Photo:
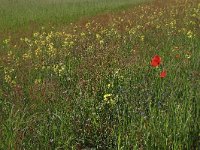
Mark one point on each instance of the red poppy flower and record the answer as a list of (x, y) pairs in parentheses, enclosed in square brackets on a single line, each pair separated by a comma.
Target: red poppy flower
[(155, 61), (163, 74)]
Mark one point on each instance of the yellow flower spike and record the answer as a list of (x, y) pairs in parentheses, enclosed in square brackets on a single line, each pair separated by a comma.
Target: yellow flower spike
[(38, 52), (6, 41), (101, 42), (87, 25), (106, 97), (36, 34), (37, 81), (109, 85), (98, 36), (142, 38), (8, 78), (26, 56), (71, 43), (82, 34), (190, 34)]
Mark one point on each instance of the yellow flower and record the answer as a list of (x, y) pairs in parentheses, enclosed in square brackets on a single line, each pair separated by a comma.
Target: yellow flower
[(190, 34), (109, 85), (107, 97), (6, 41), (101, 42), (35, 34), (98, 36), (142, 38), (37, 81), (82, 34), (87, 25), (7, 76)]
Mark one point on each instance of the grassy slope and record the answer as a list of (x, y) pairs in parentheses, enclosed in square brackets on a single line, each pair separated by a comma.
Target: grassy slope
[(18, 13)]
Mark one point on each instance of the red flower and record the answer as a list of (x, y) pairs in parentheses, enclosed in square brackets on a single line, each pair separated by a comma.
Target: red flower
[(155, 61), (163, 74)]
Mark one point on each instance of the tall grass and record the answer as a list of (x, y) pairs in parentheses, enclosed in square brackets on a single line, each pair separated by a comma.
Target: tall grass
[(94, 86)]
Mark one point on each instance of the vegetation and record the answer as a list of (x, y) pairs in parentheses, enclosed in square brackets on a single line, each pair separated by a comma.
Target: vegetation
[(129, 80), (21, 14)]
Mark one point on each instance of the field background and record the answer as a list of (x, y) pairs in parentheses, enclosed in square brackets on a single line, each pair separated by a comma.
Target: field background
[(15, 14)]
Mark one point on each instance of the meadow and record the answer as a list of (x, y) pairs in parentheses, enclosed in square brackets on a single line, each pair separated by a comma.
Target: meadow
[(20, 14), (125, 80)]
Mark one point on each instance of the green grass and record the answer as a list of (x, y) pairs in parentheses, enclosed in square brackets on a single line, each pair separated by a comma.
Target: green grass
[(93, 86), (15, 14)]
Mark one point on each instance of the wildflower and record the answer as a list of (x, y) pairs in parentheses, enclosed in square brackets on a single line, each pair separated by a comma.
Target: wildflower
[(36, 34), (87, 25), (82, 34), (101, 42), (6, 41), (109, 85), (155, 61), (190, 34), (98, 36), (142, 38), (107, 97), (37, 81), (163, 74), (188, 56)]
